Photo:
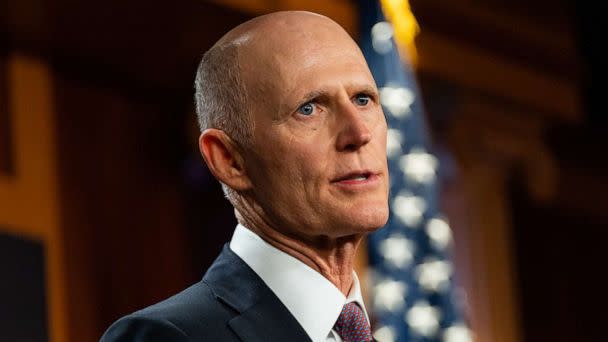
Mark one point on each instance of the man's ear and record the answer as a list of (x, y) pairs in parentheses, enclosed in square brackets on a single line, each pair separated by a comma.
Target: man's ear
[(224, 159)]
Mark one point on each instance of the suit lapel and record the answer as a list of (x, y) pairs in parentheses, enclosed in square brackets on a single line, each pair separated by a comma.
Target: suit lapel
[(261, 316), (264, 321)]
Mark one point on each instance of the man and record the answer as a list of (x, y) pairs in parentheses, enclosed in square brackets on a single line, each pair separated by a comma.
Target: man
[(293, 129)]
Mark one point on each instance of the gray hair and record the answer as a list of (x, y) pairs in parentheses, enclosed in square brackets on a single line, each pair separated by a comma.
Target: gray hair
[(221, 97)]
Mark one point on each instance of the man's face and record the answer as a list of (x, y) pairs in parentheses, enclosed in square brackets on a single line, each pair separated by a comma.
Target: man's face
[(318, 161)]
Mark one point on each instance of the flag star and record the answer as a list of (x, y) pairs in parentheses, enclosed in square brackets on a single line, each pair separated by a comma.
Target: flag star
[(382, 34), (439, 232), (434, 275), (397, 100), (419, 166), (409, 208), (389, 295), (397, 250), (423, 319), (385, 334), (457, 333), (394, 139)]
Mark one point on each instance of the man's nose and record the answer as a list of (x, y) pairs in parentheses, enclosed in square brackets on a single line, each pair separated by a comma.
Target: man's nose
[(354, 131)]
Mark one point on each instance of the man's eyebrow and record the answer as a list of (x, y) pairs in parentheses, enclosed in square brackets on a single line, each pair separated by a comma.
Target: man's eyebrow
[(320, 93), (313, 95), (367, 89)]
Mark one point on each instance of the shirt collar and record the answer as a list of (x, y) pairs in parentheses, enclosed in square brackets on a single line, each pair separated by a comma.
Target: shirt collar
[(312, 299)]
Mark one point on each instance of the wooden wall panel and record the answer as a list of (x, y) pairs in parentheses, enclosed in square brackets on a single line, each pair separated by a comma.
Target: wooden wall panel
[(29, 197), (6, 149), (120, 206)]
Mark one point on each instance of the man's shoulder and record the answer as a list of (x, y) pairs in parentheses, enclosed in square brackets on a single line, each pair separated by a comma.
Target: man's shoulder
[(192, 314)]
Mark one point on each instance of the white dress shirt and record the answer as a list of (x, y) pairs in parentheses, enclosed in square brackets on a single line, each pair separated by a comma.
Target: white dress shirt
[(312, 299)]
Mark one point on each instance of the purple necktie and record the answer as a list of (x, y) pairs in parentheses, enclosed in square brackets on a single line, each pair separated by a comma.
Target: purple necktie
[(352, 326)]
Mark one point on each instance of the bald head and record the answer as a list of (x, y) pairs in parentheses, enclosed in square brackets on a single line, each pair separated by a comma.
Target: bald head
[(247, 60), (277, 29)]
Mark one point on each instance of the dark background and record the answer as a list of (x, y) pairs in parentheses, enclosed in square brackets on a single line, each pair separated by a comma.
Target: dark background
[(23, 309), (143, 217)]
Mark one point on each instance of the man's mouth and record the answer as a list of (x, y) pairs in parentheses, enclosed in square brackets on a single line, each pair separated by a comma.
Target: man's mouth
[(355, 177)]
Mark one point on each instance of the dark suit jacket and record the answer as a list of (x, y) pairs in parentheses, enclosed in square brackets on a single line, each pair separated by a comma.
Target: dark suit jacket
[(231, 303)]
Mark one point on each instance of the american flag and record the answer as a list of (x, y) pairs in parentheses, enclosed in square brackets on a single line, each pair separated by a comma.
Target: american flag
[(412, 283)]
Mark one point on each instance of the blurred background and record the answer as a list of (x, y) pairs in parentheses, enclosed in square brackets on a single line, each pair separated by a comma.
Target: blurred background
[(106, 206)]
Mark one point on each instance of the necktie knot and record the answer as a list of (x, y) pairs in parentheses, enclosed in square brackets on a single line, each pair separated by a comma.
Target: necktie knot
[(352, 326)]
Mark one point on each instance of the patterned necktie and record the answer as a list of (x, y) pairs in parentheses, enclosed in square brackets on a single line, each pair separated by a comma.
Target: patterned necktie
[(352, 326)]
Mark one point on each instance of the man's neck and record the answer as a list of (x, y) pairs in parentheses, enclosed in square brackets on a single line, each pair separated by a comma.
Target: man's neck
[(332, 258)]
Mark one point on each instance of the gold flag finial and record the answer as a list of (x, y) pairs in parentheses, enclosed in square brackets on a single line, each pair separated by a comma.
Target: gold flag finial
[(405, 26)]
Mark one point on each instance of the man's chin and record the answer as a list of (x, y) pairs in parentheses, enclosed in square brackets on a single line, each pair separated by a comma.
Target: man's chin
[(366, 221)]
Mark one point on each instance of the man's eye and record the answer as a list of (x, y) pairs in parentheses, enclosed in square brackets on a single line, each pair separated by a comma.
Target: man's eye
[(307, 108), (362, 100)]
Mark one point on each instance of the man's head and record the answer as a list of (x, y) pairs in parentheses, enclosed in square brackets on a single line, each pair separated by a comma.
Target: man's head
[(292, 123)]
